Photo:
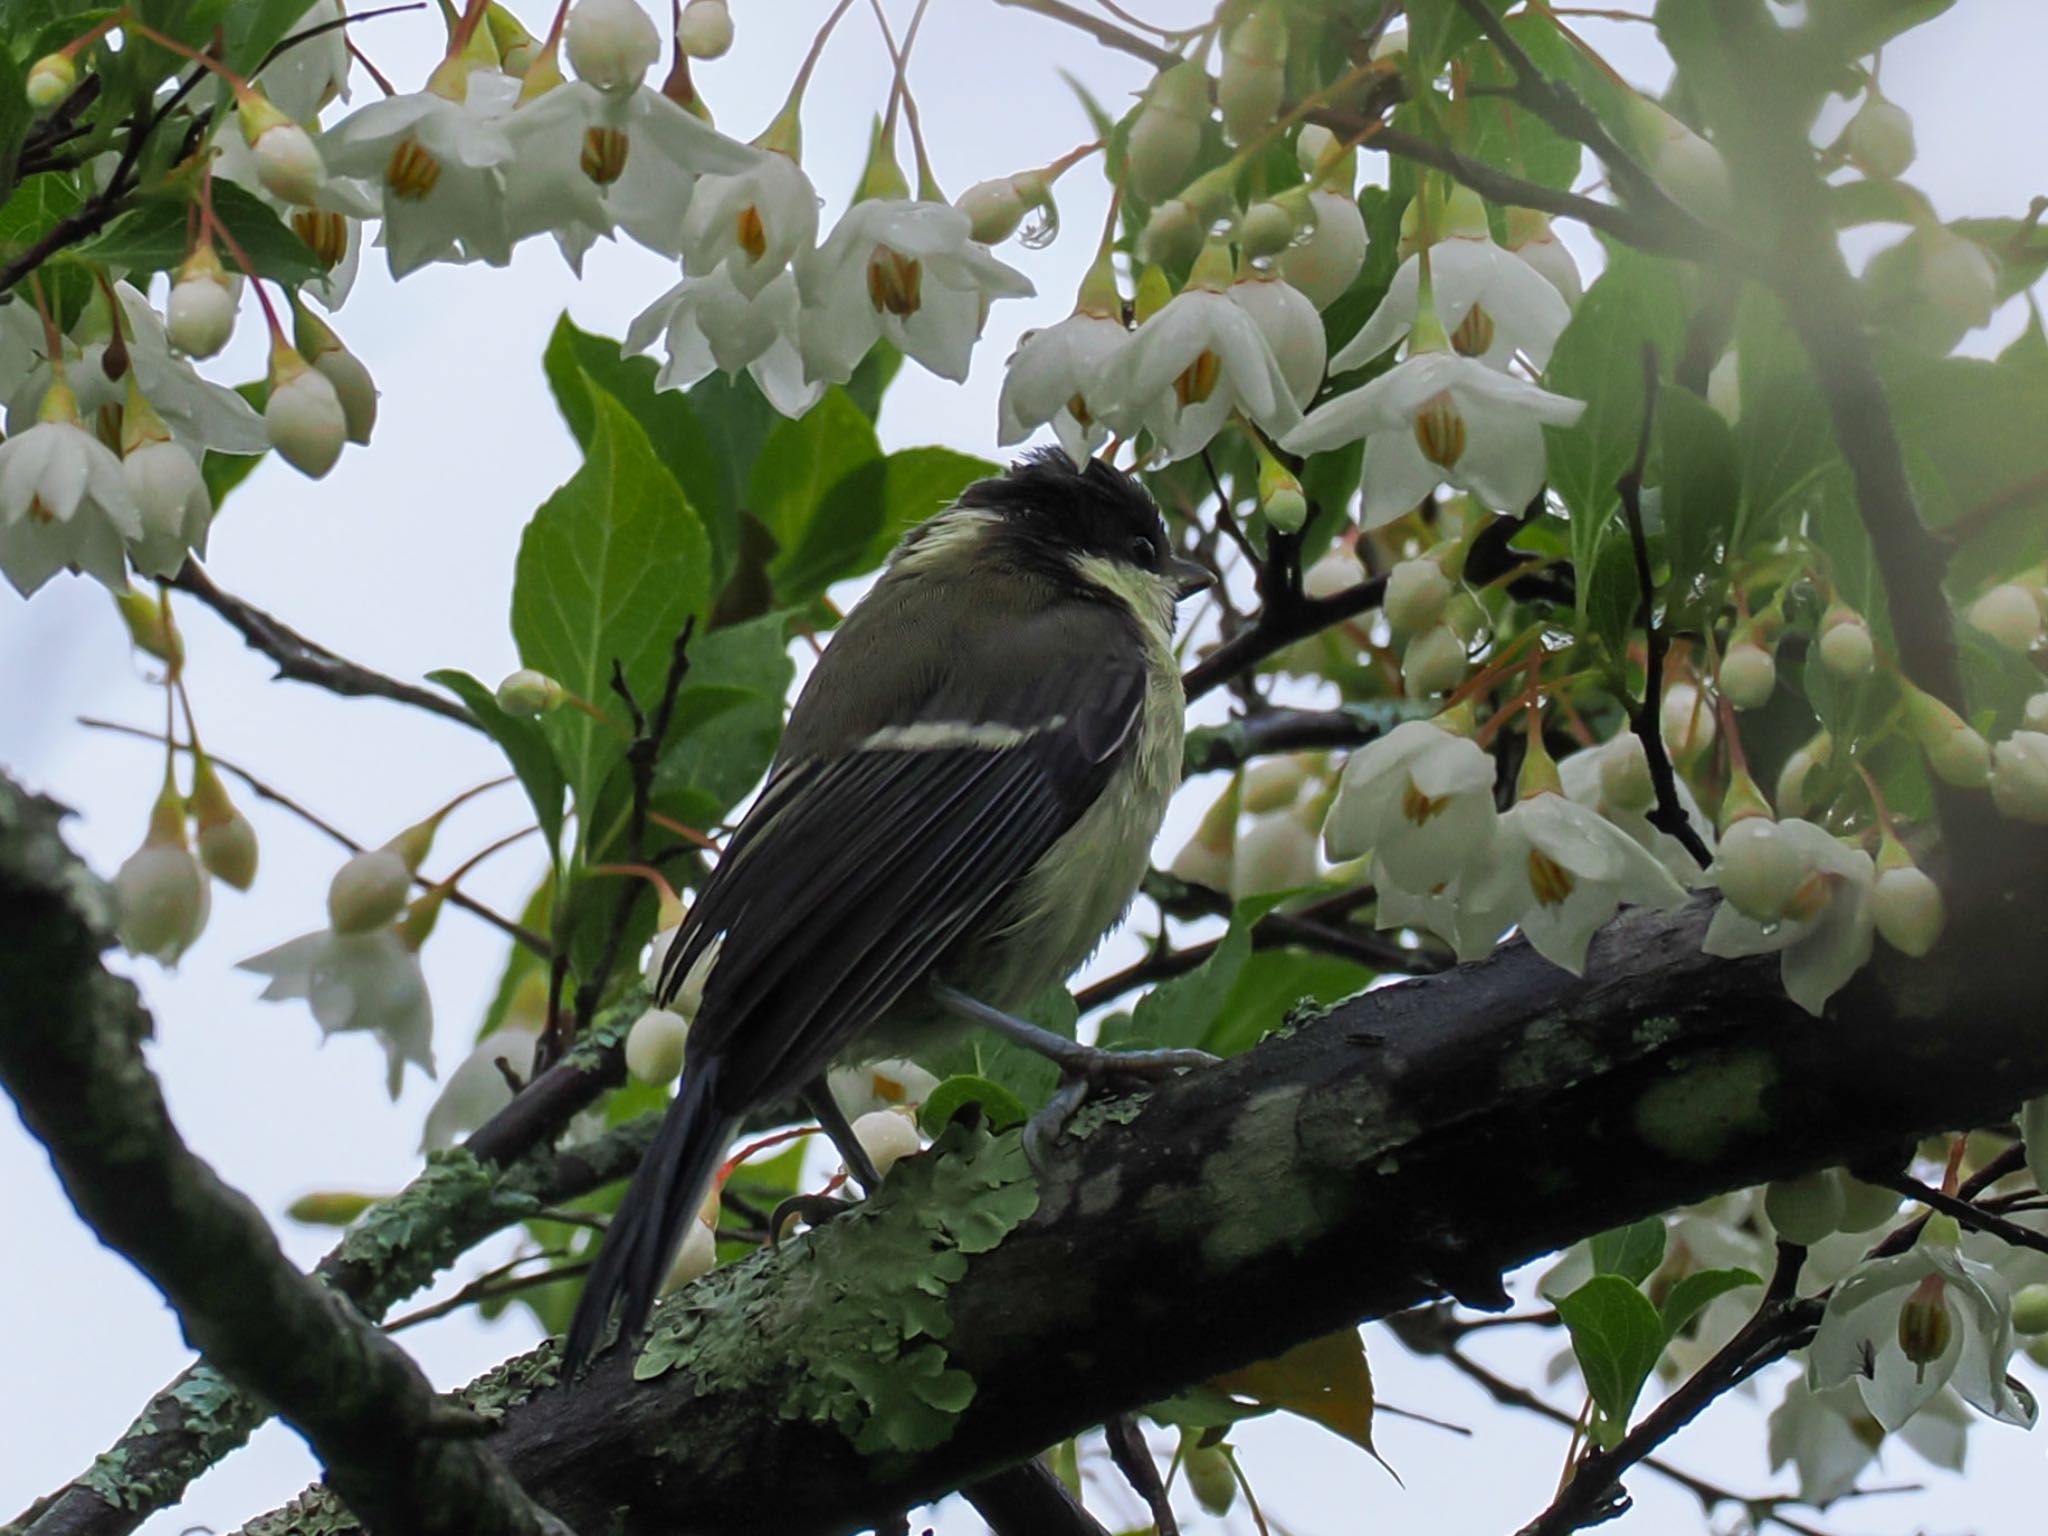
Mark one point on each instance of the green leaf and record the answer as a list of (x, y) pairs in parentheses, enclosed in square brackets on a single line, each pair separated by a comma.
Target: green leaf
[(576, 362), (999, 1107), (1325, 1379), (222, 472), (1632, 1252), (791, 491), (151, 237), (1611, 592), (525, 746), (254, 27), (1972, 430), (1272, 984), (1618, 1337), (610, 568), (1700, 489), (727, 723), (273, 249), (1017, 1069), (1786, 440), (1692, 1294), (1183, 1012)]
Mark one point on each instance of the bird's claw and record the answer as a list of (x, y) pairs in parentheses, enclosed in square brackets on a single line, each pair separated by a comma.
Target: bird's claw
[(1083, 1068)]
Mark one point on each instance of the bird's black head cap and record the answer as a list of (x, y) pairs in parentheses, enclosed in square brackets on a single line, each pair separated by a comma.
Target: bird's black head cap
[(1060, 510)]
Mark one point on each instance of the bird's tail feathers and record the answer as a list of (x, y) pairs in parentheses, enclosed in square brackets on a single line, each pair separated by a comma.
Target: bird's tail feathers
[(642, 1240)]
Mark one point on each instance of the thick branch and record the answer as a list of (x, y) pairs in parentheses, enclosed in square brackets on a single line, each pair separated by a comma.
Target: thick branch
[(1347, 1168), (307, 661), (70, 1055), (1211, 749)]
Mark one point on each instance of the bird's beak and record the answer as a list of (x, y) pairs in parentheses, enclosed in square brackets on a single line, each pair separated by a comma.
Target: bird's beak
[(1187, 577)]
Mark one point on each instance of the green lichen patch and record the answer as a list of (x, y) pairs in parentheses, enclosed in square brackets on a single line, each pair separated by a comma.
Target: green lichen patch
[(316, 1512), (856, 1312), (510, 1384), (1694, 1114)]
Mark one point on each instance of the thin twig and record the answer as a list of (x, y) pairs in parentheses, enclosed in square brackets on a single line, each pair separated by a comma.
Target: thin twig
[(1667, 815), (1965, 1212), (1271, 731), (489, 1287), (307, 661), (1284, 619), (1133, 1458), (519, 933)]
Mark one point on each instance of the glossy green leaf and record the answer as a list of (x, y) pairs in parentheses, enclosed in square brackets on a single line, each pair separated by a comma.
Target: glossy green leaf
[(1183, 1011), (524, 744), (609, 569), (272, 247), (999, 1107), (1691, 1295), (1632, 1252), (727, 723), (1270, 985), (1700, 490), (1786, 441), (792, 491), (1618, 1337)]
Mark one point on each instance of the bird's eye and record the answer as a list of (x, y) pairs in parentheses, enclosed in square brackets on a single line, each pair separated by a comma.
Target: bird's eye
[(1144, 552)]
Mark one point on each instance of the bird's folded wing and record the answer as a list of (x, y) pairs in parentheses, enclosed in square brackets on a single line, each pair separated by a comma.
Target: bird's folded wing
[(854, 873)]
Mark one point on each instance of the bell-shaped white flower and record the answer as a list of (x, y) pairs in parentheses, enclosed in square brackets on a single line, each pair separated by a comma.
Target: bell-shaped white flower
[(313, 71), (1190, 365), (887, 1136), (1561, 871), (1439, 417), (1825, 936), (708, 323), (438, 158), (368, 982), (1968, 1346), (477, 1089), (169, 491), (1830, 1437), (1324, 265), (1050, 376), (2019, 768), (1291, 326), (200, 312), (586, 161), (1613, 779), (879, 1085), (753, 223), (161, 893), (304, 414), (905, 272), (1420, 799), (1492, 303), (63, 501), (1534, 242), (612, 43)]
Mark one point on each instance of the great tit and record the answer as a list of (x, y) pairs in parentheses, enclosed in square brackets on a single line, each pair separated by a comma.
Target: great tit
[(963, 803)]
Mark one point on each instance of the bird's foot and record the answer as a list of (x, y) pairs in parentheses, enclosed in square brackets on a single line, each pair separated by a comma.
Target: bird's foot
[(1083, 1070)]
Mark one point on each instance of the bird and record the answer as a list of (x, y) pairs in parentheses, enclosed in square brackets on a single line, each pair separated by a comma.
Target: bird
[(963, 803)]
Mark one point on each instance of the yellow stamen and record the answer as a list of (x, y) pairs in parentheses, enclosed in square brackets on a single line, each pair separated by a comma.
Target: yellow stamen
[(1197, 381), (1440, 430), (1420, 808), (1474, 335), (894, 282), (604, 155), (412, 171), (1551, 881), (752, 234), (325, 234)]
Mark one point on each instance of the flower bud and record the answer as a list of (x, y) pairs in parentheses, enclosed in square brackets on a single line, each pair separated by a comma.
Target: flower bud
[(1625, 782), (1167, 132), (2019, 776), (654, 1046), (1957, 753), (1907, 907), (1807, 1208), (1686, 165), (1209, 1476), (1758, 868), (353, 387), (1324, 265), (1312, 146), (1724, 388), (1748, 674), (1798, 770), (1879, 138), (50, 80), (288, 163), (2035, 715), (1866, 1207), (1846, 648), (150, 628), (1957, 278), (1433, 662), (1417, 593), (527, 692), (1173, 236), (697, 1256), (227, 842), (1275, 853), (330, 1207), (2009, 614), (1925, 1327), (368, 891), (887, 1136), (1266, 229), (200, 315), (612, 43), (1687, 721), (705, 31), (1275, 783), (1254, 75), (517, 47), (2030, 1309), (304, 415), (994, 209), (161, 894)]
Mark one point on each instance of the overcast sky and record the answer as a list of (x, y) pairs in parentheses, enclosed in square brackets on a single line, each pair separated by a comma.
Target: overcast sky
[(402, 558)]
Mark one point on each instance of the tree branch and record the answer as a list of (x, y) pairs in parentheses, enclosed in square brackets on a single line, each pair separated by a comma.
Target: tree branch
[(1212, 749), (1285, 617), (1350, 1166), (70, 1055), (307, 661)]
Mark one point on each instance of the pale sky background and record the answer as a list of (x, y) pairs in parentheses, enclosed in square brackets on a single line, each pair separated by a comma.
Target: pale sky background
[(402, 558)]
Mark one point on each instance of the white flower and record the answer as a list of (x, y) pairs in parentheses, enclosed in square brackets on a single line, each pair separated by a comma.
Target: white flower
[(1826, 936), (1438, 417), (1275, 853), (905, 272), (303, 414), (586, 160), (353, 387), (357, 981), (1879, 138), (754, 223), (1417, 593), (612, 43), (887, 1136), (705, 31), (1908, 909), (1532, 240), (63, 501), (1830, 1438), (162, 897), (440, 168), (1859, 1336), (312, 72), (1187, 368), (477, 1089), (708, 322), (1614, 780), (1292, 328), (2019, 769), (1049, 379), (2009, 614), (878, 1085), (1420, 798), (1324, 265), (170, 496), (368, 891), (288, 163), (1561, 871), (329, 221), (1433, 661), (1509, 305)]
